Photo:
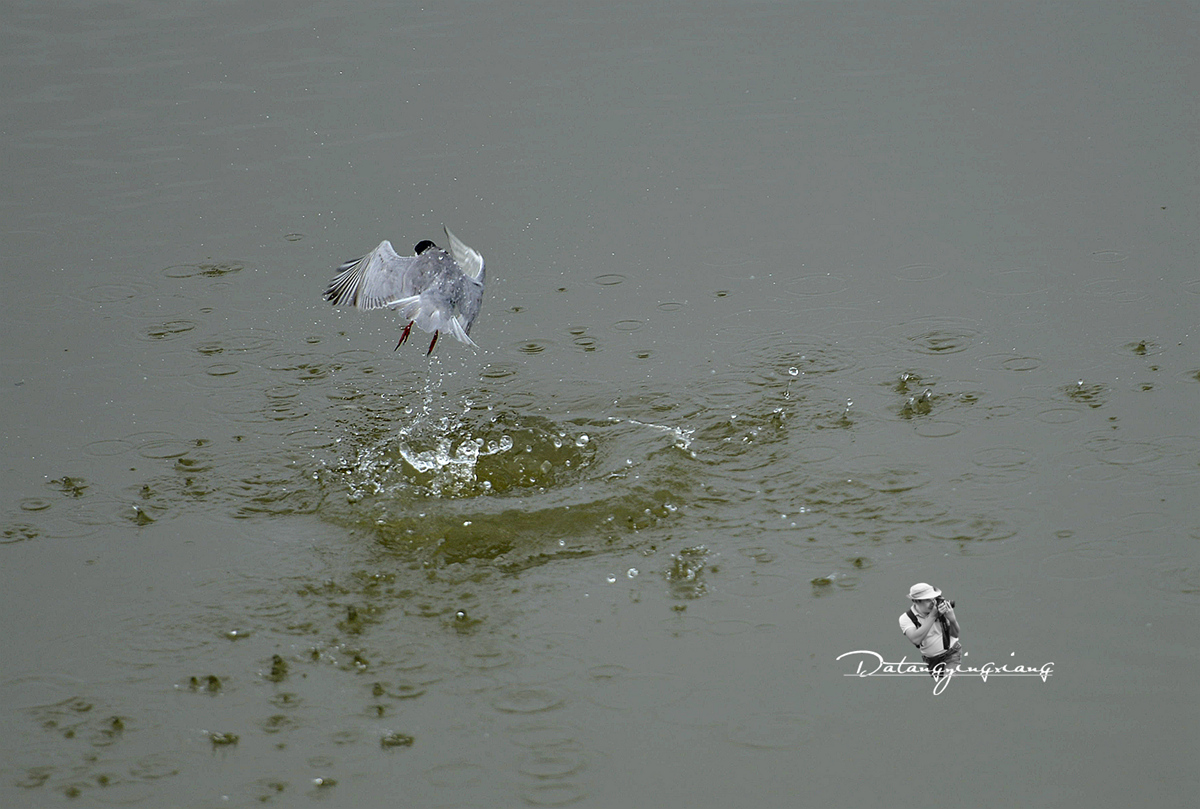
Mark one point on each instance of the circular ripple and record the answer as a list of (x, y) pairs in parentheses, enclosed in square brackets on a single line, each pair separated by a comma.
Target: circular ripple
[(1011, 407), (897, 480), (168, 330), (139, 438), (609, 279), (489, 659), (1059, 415), (1001, 458), (938, 336), (1022, 363), (815, 453), (973, 529), (532, 346), (1093, 395), (107, 447), (1082, 466), (154, 767), (1140, 348), (943, 341), (220, 375), (112, 293), (301, 364), (240, 340), (937, 429), (1117, 290), (919, 272), (34, 504), (550, 763), (1124, 453), (810, 286), (356, 356), (79, 522), (1186, 448), (526, 700), (816, 358), (309, 438), (499, 371), (913, 512), (519, 401), (1180, 584), (672, 306), (163, 449), (207, 270), (558, 793), (543, 737), (839, 493), (623, 690), (627, 325), (1109, 256)]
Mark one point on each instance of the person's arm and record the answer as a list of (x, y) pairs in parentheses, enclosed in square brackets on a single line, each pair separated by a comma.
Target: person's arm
[(918, 633), (951, 619)]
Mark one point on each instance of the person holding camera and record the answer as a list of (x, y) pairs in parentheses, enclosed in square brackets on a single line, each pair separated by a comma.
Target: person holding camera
[(931, 625)]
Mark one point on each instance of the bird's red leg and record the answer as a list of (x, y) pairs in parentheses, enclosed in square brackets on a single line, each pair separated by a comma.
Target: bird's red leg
[(404, 335), (430, 351)]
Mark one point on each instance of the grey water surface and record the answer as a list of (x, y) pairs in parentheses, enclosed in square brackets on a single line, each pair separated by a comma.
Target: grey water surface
[(249, 554)]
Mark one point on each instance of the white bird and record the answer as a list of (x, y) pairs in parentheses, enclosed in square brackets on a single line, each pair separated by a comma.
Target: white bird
[(436, 289)]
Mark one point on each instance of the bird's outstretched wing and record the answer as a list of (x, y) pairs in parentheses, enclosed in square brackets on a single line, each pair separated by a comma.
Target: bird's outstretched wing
[(468, 260), (375, 280)]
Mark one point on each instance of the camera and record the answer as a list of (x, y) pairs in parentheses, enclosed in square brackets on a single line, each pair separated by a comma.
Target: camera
[(938, 600)]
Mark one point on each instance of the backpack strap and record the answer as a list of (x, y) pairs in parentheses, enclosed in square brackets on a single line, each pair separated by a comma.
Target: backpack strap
[(912, 616)]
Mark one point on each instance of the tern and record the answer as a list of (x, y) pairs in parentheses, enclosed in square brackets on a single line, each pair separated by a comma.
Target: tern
[(439, 290)]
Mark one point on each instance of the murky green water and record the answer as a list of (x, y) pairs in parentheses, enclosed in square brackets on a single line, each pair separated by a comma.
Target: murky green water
[(789, 307)]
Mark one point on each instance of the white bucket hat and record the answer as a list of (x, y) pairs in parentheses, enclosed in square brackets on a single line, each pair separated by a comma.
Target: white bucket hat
[(921, 591)]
